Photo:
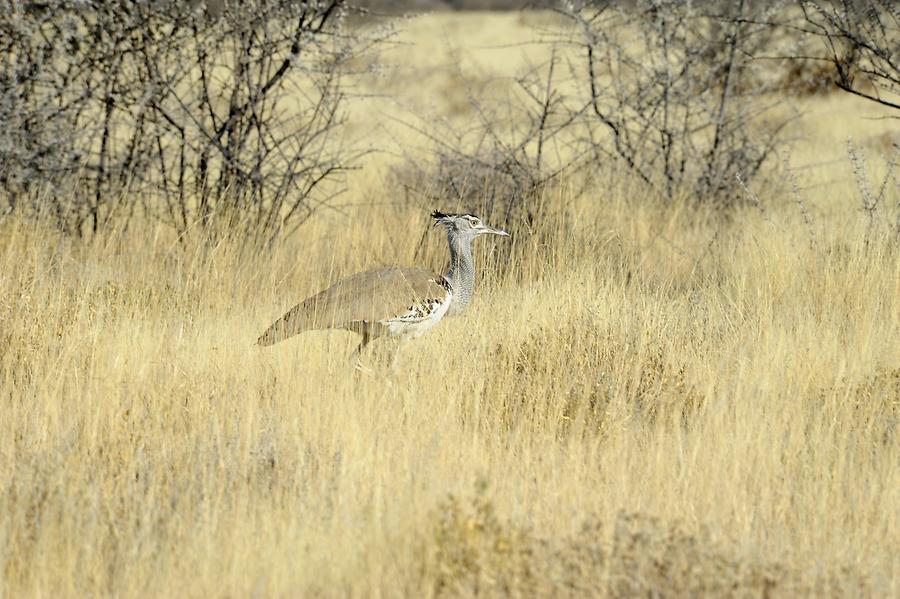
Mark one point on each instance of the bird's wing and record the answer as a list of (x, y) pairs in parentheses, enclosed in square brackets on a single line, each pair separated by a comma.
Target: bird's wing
[(370, 297)]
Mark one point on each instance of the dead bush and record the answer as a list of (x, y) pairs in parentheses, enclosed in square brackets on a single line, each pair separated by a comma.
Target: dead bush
[(860, 41), (673, 96), (476, 552), (502, 166), (220, 120)]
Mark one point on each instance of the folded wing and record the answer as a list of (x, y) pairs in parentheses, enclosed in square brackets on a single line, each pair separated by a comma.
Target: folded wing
[(364, 298)]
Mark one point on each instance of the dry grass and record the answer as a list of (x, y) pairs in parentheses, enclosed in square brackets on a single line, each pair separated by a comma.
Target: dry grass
[(642, 400)]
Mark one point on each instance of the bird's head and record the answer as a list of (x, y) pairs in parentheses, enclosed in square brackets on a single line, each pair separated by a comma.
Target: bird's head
[(467, 225)]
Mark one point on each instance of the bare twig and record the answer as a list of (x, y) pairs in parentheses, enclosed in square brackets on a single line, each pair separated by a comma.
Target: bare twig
[(223, 118)]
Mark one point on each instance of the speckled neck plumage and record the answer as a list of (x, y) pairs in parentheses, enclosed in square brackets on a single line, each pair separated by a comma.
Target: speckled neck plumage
[(461, 275)]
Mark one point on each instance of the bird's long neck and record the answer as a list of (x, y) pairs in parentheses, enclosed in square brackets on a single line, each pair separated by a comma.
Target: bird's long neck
[(461, 275)]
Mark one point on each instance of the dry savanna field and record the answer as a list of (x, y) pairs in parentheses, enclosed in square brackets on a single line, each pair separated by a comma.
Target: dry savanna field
[(644, 399)]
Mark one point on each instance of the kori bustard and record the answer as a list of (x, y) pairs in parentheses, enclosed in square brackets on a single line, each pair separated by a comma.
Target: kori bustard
[(394, 301)]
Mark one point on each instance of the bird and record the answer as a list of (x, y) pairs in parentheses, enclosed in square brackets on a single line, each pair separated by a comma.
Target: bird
[(393, 301)]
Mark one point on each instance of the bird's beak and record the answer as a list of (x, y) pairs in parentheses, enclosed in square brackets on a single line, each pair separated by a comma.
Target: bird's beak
[(490, 230)]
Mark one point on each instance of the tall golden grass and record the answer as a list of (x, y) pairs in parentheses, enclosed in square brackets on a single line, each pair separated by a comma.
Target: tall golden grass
[(642, 399)]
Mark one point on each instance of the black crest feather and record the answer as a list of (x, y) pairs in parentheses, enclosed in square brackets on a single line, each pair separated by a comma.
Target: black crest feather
[(437, 214)]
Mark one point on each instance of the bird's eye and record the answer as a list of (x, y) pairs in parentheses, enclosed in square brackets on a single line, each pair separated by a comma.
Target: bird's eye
[(475, 222)]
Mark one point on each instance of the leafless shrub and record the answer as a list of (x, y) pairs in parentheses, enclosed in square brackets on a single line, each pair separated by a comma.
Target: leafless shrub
[(39, 109), (504, 162), (673, 94), (849, 45), (797, 197), (221, 118), (476, 551), (666, 89), (873, 203), (860, 39)]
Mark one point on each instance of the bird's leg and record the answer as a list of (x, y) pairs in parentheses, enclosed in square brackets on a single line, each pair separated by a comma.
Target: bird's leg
[(360, 367), (355, 360), (392, 365)]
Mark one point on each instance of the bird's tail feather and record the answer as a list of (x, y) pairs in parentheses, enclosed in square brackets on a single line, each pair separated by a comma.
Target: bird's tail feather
[(286, 326)]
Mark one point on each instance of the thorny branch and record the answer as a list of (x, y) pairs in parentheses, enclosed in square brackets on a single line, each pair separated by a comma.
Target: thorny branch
[(223, 118)]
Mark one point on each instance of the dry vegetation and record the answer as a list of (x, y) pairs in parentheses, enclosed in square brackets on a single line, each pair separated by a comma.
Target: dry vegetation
[(643, 399)]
